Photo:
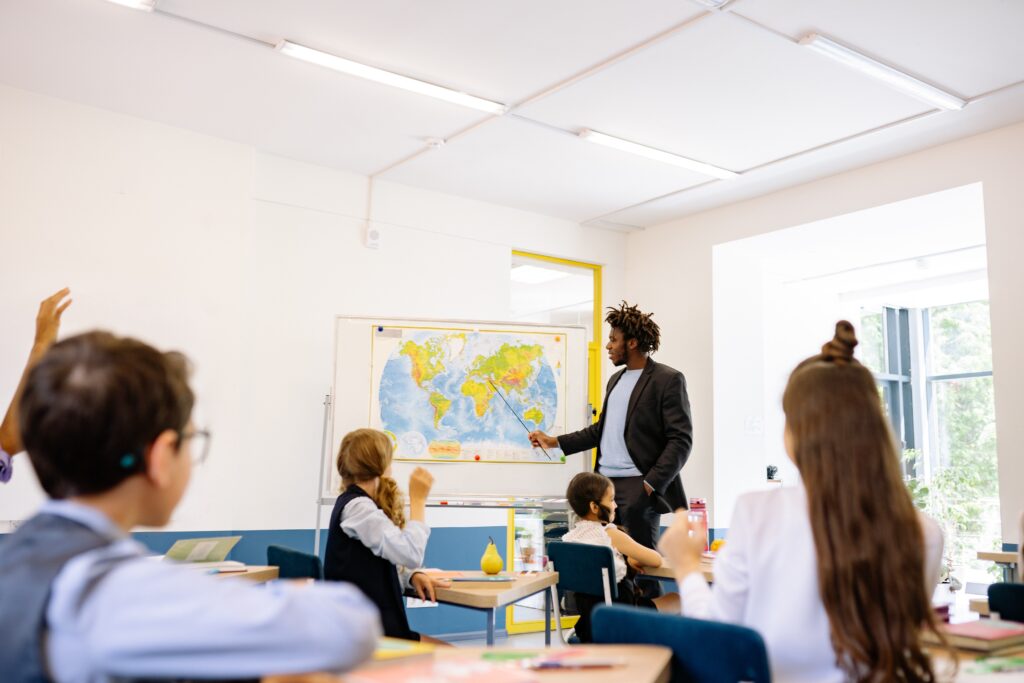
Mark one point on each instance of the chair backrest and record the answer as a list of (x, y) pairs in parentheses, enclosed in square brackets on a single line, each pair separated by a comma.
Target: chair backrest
[(579, 567), (704, 651), (294, 564), (1008, 600)]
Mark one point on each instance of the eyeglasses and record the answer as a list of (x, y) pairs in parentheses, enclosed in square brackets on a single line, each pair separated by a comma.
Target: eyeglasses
[(200, 444)]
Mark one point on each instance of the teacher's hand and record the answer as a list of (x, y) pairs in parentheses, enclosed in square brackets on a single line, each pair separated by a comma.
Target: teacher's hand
[(648, 489), (540, 439)]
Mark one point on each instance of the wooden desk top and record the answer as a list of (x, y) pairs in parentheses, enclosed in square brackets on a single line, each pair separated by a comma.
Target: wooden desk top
[(640, 664), (942, 663), (999, 556), (486, 597), (979, 606), (253, 573), (665, 571)]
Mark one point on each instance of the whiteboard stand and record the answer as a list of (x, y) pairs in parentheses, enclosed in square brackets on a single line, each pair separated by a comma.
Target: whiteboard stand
[(320, 481)]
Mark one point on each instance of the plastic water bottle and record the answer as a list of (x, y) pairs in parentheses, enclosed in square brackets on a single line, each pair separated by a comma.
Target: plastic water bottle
[(699, 513)]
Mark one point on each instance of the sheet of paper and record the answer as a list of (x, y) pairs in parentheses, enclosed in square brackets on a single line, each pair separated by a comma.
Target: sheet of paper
[(202, 549)]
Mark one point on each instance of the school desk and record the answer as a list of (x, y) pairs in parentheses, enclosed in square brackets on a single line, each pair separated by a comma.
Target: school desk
[(1006, 560), (666, 573), (979, 606), (257, 573), (490, 599), (633, 663), (967, 671)]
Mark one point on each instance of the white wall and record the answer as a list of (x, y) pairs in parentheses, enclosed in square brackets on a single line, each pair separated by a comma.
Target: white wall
[(669, 271), (241, 260)]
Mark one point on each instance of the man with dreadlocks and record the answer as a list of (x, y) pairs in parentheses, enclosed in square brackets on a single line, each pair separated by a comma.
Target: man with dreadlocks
[(644, 434)]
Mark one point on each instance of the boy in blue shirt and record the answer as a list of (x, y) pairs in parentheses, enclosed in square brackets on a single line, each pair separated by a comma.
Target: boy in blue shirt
[(106, 422)]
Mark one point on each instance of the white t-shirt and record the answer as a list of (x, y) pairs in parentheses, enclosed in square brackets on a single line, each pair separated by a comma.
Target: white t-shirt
[(766, 578), (596, 533)]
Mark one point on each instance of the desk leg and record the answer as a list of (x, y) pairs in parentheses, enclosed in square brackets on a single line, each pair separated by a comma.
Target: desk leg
[(547, 618), (553, 591), (490, 626)]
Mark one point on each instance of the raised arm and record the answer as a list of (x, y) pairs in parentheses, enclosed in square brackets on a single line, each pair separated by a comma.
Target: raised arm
[(47, 326)]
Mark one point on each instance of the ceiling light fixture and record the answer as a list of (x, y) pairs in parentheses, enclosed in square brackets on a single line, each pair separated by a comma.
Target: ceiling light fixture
[(656, 154), (713, 4), (883, 72), (144, 5), (347, 66)]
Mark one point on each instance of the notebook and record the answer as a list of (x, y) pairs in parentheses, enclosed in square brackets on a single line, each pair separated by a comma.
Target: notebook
[(202, 549), (983, 635)]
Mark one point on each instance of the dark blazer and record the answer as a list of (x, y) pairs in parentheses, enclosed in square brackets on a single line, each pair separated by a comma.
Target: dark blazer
[(659, 432)]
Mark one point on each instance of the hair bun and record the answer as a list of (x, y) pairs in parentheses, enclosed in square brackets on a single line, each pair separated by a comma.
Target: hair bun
[(840, 348)]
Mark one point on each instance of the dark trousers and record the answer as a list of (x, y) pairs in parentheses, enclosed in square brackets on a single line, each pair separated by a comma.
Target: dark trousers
[(635, 512)]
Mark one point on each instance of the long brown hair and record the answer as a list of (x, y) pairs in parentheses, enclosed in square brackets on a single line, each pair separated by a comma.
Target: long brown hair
[(366, 454), (867, 535)]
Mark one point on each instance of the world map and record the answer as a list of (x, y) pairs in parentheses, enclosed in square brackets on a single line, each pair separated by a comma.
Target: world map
[(460, 395)]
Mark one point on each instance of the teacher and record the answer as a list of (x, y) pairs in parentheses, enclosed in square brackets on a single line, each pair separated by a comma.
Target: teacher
[(644, 435)]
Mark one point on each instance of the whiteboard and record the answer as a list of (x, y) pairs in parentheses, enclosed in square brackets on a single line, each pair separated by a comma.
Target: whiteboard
[(367, 351)]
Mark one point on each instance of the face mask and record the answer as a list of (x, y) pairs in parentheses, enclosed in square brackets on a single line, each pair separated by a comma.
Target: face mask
[(604, 514)]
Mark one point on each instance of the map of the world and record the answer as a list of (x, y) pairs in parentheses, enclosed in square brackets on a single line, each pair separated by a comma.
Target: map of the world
[(465, 395)]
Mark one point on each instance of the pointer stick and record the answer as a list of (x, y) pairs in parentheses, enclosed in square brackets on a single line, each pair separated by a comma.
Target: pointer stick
[(509, 406)]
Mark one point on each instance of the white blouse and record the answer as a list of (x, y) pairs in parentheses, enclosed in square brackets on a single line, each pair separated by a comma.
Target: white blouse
[(596, 533), (766, 578)]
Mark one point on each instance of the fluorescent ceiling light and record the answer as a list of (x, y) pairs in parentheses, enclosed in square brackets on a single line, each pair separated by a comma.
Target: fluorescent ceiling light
[(351, 68), (533, 275), (883, 72), (144, 5), (656, 154), (713, 4)]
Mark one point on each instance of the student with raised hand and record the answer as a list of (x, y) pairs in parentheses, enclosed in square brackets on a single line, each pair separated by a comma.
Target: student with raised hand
[(107, 424), (837, 573), (370, 543), (47, 326), (592, 497)]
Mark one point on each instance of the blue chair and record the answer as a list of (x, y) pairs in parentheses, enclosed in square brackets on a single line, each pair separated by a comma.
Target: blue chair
[(702, 651), (294, 564), (1008, 600), (589, 572)]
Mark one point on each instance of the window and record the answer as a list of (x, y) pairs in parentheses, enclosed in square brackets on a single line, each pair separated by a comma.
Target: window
[(934, 371)]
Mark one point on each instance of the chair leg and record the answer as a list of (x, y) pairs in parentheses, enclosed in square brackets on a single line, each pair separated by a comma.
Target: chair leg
[(607, 586)]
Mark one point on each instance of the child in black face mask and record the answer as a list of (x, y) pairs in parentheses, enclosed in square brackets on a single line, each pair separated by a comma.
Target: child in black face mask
[(592, 497)]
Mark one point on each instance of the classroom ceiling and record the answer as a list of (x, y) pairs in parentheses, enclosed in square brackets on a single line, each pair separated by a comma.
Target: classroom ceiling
[(729, 87)]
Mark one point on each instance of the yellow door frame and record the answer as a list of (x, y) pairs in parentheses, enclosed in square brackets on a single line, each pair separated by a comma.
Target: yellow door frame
[(594, 391)]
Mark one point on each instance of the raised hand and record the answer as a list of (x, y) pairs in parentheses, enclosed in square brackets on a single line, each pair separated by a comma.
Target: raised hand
[(48, 318), (420, 483), (682, 544)]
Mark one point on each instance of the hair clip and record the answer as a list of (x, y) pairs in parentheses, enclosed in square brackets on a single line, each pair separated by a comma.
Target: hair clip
[(128, 461)]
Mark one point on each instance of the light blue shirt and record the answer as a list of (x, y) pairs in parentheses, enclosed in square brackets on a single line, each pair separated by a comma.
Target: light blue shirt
[(149, 617), (615, 460), (363, 521)]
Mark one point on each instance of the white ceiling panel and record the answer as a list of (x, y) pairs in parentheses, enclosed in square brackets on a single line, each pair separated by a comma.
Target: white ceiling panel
[(504, 51), (724, 92), (524, 165), (993, 112), (731, 88), (967, 46), (162, 69)]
